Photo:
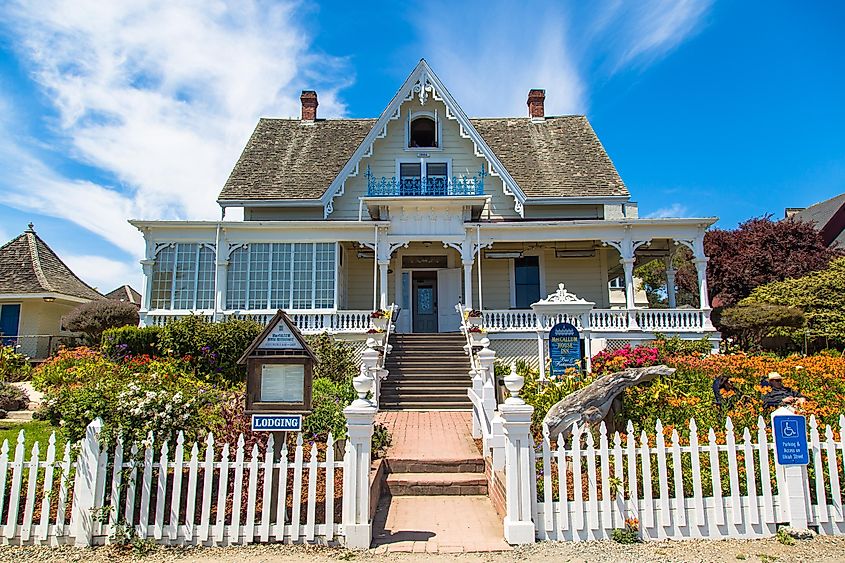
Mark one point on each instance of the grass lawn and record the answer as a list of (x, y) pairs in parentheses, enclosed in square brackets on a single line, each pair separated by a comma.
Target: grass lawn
[(36, 430)]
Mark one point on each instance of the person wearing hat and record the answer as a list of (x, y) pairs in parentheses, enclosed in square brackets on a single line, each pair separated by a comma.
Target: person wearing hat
[(779, 394)]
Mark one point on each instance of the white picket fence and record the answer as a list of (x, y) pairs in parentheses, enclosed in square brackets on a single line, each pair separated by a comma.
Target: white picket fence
[(674, 491), (173, 496)]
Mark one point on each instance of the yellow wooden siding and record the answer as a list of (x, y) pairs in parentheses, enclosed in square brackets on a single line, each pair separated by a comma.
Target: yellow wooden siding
[(358, 278), (582, 276), (387, 150)]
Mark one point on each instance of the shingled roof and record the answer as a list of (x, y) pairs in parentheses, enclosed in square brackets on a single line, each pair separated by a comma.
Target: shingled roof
[(28, 265), (290, 159), (125, 293)]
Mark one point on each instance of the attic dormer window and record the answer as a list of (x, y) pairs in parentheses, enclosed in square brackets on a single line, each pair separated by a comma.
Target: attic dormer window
[(423, 132)]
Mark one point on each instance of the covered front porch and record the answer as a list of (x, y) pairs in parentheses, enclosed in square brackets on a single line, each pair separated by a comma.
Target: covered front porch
[(331, 276)]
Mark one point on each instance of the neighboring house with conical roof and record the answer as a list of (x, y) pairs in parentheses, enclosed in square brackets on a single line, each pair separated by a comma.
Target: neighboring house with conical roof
[(126, 294), (36, 290)]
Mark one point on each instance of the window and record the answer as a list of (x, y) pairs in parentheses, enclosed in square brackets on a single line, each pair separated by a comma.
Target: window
[(282, 276), (183, 277), (526, 281), (423, 133), (617, 283), (423, 178)]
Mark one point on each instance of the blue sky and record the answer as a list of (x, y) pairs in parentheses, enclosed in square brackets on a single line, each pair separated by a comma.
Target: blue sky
[(139, 109)]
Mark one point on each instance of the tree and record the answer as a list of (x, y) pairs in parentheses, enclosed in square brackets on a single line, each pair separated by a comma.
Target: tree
[(94, 317), (821, 295), (757, 252)]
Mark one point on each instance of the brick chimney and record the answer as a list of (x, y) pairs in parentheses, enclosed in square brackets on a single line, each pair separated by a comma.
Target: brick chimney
[(536, 99), (309, 105)]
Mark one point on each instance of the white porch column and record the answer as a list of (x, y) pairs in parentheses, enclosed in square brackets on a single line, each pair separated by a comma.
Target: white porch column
[(701, 270), (467, 259), (468, 284), (628, 267), (146, 299), (382, 283), (221, 277), (670, 283)]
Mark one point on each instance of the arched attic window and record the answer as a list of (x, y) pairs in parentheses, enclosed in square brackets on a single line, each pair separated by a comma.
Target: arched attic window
[(423, 132)]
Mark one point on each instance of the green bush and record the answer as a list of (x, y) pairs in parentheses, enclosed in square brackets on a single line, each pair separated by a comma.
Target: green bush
[(328, 399), (336, 359), (675, 346), (750, 322), (213, 349), (14, 366), (131, 341), (12, 398)]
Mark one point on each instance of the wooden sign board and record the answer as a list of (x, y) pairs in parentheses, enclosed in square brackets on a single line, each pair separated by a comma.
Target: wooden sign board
[(280, 368)]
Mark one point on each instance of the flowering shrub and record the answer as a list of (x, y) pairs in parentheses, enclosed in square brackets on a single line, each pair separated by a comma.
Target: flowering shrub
[(14, 366), (133, 397), (380, 314), (475, 329), (474, 313), (608, 361)]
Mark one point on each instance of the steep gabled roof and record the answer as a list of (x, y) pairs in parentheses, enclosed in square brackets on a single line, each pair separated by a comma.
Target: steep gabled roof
[(290, 159), (557, 157), (28, 265), (287, 159), (125, 293)]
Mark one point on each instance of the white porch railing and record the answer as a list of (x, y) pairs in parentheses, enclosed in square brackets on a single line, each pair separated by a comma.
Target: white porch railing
[(309, 322), (608, 320)]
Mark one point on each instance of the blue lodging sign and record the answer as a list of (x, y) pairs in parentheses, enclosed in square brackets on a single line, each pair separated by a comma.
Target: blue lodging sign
[(564, 348), (791, 439), (277, 423)]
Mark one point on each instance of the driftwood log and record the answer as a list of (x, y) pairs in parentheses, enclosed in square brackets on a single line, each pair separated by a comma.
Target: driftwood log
[(592, 404)]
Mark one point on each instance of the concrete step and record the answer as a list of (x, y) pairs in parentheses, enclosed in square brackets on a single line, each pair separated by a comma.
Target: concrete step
[(467, 465), (422, 396), (408, 484)]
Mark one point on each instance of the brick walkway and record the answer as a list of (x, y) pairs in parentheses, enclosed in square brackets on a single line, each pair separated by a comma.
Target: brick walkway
[(434, 523), (426, 435)]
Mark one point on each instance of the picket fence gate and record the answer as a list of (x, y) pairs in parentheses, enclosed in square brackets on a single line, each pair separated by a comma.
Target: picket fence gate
[(186, 498), (585, 492)]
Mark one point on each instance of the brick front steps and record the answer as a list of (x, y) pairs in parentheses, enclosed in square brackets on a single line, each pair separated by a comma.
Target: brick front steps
[(418, 484)]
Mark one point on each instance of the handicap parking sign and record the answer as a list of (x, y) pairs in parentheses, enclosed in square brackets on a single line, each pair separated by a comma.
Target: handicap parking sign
[(791, 439)]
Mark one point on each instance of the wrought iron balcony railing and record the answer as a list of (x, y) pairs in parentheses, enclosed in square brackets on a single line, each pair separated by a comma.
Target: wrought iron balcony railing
[(429, 186)]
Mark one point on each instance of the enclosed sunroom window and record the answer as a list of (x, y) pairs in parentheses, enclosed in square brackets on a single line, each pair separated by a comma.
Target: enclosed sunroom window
[(423, 132), (265, 276), (183, 277)]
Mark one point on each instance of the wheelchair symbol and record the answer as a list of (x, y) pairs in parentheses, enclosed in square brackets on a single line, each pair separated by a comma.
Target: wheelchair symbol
[(789, 429)]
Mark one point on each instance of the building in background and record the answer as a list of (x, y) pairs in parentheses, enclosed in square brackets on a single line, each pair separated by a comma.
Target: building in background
[(36, 290), (126, 294), (828, 216)]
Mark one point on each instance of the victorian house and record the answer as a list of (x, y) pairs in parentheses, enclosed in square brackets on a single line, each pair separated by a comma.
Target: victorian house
[(424, 208)]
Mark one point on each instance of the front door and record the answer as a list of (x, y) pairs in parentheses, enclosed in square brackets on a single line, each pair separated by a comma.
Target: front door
[(449, 291), (9, 319), (425, 301)]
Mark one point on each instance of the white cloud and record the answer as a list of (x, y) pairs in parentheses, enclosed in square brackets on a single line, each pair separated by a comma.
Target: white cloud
[(104, 274), (159, 95), (673, 210), (490, 55)]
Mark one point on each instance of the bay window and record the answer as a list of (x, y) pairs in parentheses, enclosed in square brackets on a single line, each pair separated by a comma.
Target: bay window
[(275, 275)]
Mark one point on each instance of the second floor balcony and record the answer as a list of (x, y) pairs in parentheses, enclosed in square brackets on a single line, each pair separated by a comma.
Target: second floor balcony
[(425, 186)]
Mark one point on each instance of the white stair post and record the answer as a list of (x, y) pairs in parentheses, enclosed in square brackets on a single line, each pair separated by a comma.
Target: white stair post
[(369, 362), (520, 487), (84, 486), (360, 416)]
